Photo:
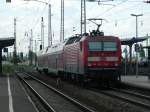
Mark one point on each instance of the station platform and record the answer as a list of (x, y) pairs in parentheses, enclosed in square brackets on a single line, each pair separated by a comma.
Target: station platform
[(141, 81), (13, 97)]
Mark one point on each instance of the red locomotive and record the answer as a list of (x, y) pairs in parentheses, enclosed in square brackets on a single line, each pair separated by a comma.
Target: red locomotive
[(91, 56)]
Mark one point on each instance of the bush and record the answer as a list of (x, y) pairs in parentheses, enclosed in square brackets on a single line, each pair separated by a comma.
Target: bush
[(8, 69)]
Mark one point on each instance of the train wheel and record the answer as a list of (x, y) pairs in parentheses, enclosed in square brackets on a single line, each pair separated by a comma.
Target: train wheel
[(117, 81), (39, 71), (77, 79), (81, 81), (45, 71)]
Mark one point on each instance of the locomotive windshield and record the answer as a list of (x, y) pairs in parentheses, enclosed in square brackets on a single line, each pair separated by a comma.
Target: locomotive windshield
[(95, 46), (103, 46), (109, 46)]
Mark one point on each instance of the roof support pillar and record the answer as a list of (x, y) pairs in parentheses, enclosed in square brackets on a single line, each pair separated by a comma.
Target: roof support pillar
[(0, 61), (130, 57), (148, 53)]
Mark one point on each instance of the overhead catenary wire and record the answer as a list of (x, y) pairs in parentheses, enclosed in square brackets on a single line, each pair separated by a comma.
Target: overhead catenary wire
[(39, 16), (125, 9), (111, 8), (38, 20), (122, 19), (127, 19), (124, 1)]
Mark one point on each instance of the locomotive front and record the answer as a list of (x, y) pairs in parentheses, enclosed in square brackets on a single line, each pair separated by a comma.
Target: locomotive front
[(102, 57)]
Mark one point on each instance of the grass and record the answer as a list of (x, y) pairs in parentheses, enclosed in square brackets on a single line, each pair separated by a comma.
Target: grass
[(8, 69)]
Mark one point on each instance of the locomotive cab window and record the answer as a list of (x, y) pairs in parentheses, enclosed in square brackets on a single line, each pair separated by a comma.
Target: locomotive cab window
[(95, 46), (109, 46), (102, 46)]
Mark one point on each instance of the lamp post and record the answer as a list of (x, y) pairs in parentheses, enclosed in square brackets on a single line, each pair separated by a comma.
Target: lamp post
[(49, 21), (15, 48), (136, 15)]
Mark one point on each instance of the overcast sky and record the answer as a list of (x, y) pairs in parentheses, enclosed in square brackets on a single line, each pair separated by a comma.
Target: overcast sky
[(117, 13)]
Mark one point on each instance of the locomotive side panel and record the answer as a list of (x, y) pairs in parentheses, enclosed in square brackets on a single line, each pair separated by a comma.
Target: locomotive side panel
[(81, 58)]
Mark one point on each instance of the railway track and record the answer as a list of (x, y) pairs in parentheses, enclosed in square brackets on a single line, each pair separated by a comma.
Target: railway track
[(135, 88), (51, 99), (132, 97)]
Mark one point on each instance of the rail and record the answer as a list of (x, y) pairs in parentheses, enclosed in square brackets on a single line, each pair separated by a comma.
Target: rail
[(78, 104)]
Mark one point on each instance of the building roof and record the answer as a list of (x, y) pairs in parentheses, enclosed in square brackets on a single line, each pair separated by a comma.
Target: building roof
[(5, 42), (146, 47), (130, 41)]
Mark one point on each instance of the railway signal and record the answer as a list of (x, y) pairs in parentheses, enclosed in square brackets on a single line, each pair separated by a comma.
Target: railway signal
[(137, 48)]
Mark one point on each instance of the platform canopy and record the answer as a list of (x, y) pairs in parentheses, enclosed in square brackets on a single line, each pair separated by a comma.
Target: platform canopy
[(5, 42), (146, 47), (131, 41), (148, 51)]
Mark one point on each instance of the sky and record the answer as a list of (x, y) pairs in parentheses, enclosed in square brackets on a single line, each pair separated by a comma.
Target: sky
[(117, 14)]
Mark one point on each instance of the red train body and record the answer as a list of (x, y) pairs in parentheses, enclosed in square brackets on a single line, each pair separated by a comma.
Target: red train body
[(92, 56)]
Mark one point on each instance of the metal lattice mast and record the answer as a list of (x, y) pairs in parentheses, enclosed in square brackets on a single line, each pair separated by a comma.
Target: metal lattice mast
[(62, 21), (83, 17), (49, 27), (31, 40), (42, 32), (31, 48)]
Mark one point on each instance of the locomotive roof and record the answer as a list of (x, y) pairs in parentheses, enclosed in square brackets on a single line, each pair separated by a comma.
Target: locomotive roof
[(73, 39)]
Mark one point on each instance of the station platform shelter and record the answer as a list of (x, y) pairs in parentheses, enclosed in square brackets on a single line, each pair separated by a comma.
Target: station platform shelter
[(129, 42), (148, 49), (5, 42)]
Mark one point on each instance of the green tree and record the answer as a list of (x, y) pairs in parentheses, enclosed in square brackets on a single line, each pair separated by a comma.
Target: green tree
[(142, 53)]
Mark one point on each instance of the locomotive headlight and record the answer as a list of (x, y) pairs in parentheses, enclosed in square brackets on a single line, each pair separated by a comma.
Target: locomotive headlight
[(116, 64), (89, 64), (93, 64)]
